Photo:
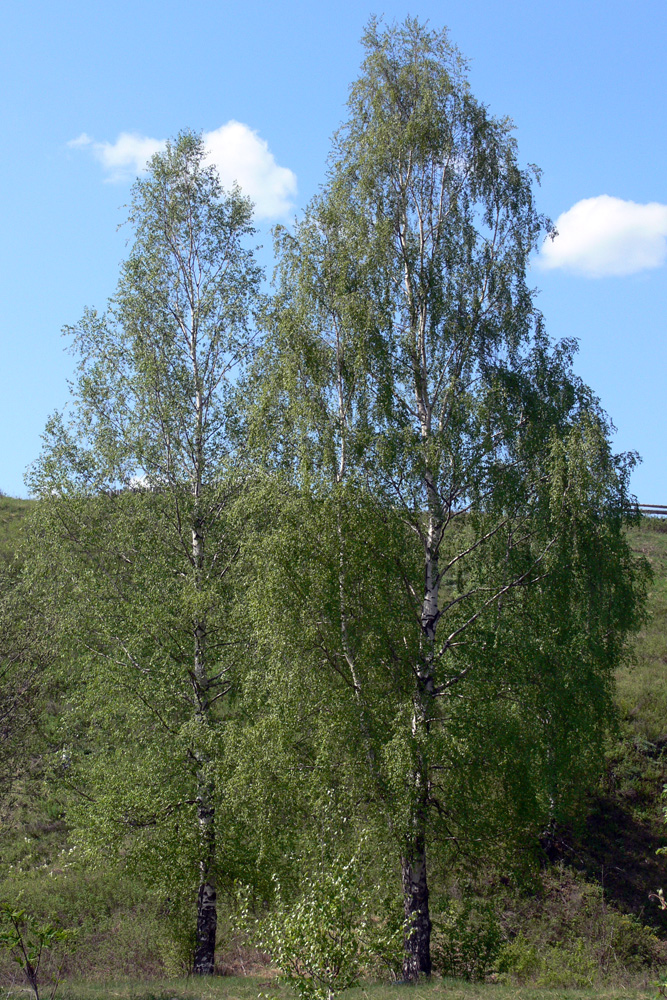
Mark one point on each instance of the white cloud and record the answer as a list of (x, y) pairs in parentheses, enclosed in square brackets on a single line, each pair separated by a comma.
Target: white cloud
[(238, 152), (124, 158), (241, 155), (606, 236)]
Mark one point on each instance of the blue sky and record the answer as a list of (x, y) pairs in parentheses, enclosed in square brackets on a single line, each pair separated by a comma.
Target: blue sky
[(88, 89)]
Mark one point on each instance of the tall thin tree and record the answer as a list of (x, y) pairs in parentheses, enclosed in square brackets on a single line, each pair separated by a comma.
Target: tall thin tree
[(410, 362), (136, 487)]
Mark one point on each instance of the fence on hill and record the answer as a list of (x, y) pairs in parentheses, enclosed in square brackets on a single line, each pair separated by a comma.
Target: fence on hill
[(653, 509)]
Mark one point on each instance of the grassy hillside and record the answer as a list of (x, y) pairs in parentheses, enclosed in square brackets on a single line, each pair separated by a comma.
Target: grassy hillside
[(12, 514), (581, 923), (616, 842), (642, 689)]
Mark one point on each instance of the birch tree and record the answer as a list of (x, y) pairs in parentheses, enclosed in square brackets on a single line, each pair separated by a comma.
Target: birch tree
[(407, 362), (136, 491)]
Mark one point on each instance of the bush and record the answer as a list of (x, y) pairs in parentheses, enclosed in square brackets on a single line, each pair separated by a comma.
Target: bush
[(325, 938), (466, 938), (566, 935), (121, 930), (315, 940), (34, 946), (556, 966)]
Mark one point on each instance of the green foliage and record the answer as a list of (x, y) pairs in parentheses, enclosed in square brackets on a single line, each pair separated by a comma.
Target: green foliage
[(12, 517), (458, 564), (467, 938), (323, 936), (553, 966), (641, 693), (405, 620), (636, 770), (567, 935), (29, 941), (153, 401), (315, 939), (122, 929)]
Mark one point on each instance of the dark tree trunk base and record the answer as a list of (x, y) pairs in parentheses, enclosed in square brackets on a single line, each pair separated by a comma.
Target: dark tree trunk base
[(417, 941), (207, 923)]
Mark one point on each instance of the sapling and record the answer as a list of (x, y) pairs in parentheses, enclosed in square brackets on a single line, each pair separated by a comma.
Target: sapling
[(27, 940), (319, 940)]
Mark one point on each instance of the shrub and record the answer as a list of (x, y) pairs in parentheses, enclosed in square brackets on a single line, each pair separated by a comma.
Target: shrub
[(321, 939), (566, 935), (552, 966), (466, 938)]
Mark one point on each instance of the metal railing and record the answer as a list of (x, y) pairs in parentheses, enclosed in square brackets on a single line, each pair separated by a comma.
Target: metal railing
[(653, 508)]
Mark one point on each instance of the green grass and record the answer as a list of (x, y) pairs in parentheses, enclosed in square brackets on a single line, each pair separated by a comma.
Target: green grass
[(248, 988), (12, 514), (642, 688), (615, 840)]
